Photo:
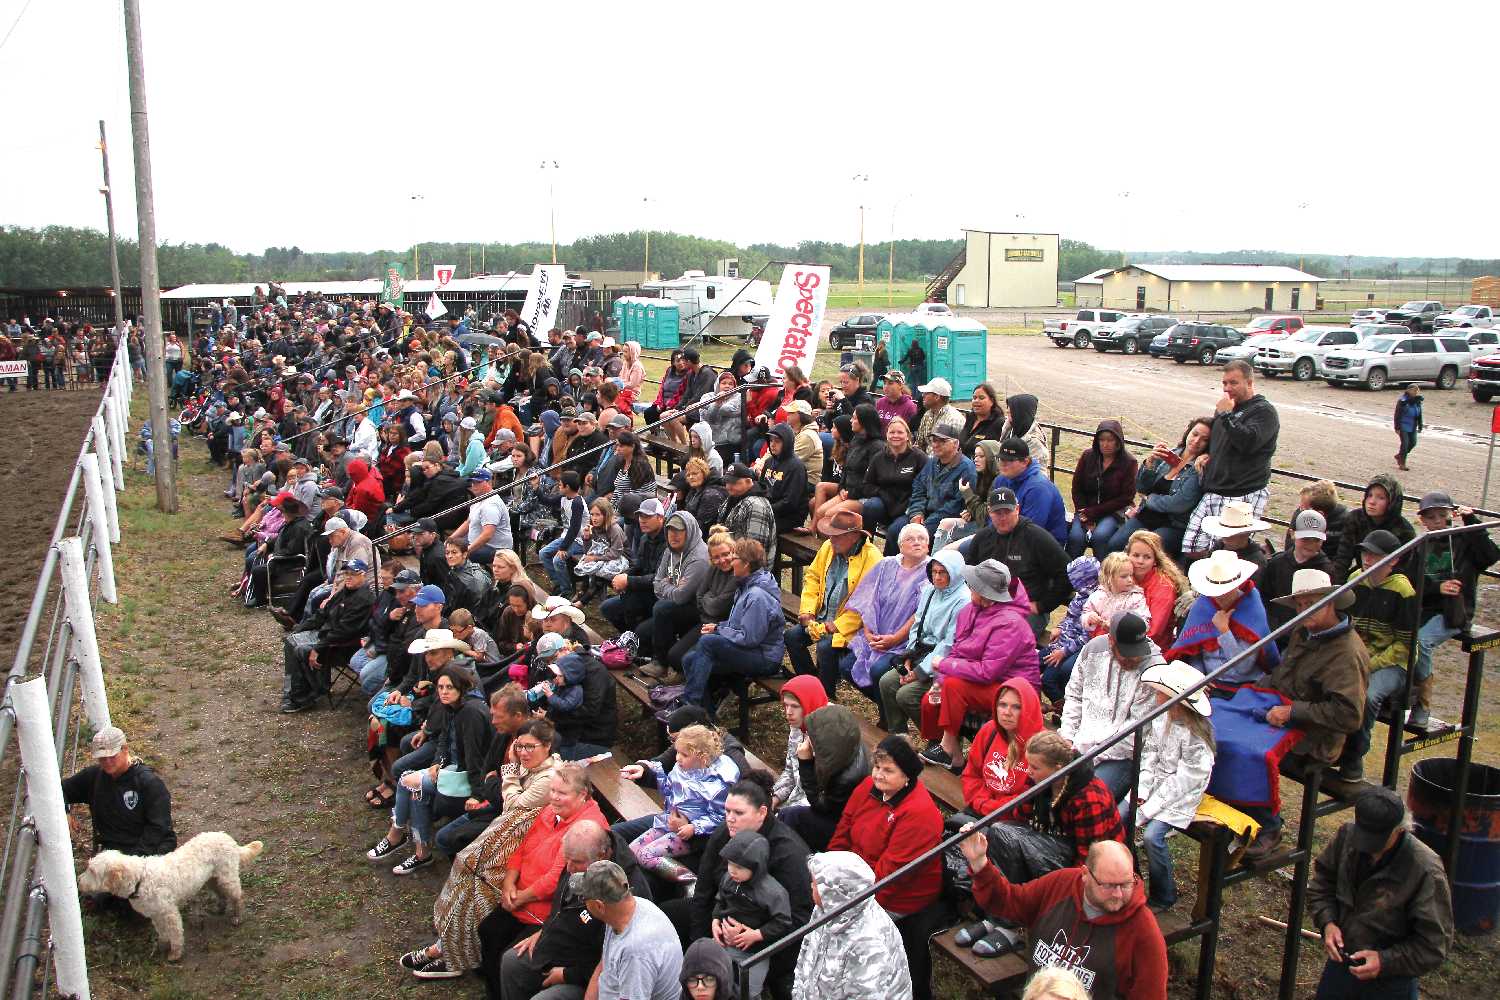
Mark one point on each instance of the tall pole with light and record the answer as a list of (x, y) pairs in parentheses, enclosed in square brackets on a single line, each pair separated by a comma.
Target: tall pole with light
[(114, 251), (861, 179), (416, 252), (890, 267), (646, 265), (551, 203)]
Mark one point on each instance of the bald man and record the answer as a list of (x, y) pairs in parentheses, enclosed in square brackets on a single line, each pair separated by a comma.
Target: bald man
[(1092, 920)]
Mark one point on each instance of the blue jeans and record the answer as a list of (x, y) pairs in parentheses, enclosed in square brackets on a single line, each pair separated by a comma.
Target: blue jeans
[(1338, 983), (1170, 535), (801, 650), (629, 829), (558, 568), (460, 833), (415, 814), (716, 656), (1433, 633), (578, 751), (1055, 679), (423, 756), (1115, 774), (1385, 685), (1080, 538), (626, 612), (1159, 863), (371, 670), (873, 510), (1408, 443)]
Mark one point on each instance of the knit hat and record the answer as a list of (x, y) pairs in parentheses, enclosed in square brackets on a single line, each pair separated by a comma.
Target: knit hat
[(900, 751)]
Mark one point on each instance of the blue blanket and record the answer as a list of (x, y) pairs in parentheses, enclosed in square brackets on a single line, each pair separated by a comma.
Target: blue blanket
[(1247, 623), (1248, 756)]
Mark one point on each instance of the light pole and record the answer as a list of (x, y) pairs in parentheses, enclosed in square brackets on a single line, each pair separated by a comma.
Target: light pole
[(551, 204), (646, 266), (416, 253), (890, 267), (861, 179), (114, 252)]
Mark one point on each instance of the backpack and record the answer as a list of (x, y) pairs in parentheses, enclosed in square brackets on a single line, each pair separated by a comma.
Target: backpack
[(619, 653)]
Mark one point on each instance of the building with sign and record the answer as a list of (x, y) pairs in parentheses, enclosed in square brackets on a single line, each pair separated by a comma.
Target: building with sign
[(1208, 288), (1005, 270)]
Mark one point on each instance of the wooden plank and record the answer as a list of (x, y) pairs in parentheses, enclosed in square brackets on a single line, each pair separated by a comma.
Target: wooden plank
[(618, 796), (1004, 970)]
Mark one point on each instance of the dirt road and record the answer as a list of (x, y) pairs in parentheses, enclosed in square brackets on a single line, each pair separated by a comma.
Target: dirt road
[(1343, 433)]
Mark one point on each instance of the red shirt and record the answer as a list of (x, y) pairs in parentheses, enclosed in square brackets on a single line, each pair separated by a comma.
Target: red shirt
[(889, 834), (1161, 596), (538, 860)]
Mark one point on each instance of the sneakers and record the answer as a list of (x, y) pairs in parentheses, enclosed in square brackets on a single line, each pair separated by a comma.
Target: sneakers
[(293, 707), (408, 866), (437, 969), (973, 932), (414, 960), (935, 754), (1419, 717), (384, 849)]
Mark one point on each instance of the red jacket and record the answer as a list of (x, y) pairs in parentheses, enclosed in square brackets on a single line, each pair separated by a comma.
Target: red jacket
[(366, 495), (988, 782), (889, 834), (1116, 955), (1161, 598), (538, 860)]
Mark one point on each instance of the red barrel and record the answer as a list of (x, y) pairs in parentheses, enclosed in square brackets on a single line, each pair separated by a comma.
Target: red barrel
[(1476, 882)]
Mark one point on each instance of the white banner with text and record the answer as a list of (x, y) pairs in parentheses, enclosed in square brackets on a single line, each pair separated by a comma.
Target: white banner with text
[(540, 311), (794, 329)]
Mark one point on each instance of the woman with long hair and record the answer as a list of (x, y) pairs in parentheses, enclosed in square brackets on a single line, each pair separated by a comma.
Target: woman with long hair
[(392, 462), (1168, 479), (635, 476), (985, 420), (1162, 581)]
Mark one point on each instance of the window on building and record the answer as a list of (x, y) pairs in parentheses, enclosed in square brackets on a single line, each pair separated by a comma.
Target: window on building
[(1022, 255)]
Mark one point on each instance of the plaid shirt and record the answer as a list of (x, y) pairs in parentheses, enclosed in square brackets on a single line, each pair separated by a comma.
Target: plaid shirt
[(1083, 816), (751, 516)]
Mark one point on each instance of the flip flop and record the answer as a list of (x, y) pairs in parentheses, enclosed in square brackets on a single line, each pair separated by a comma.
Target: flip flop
[(375, 800)]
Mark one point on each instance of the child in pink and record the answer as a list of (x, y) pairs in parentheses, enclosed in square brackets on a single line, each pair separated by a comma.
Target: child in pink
[(1117, 592)]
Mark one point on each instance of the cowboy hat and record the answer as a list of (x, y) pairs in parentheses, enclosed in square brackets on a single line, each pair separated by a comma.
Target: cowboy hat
[(991, 579), (557, 606), (1314, 583), (439, 638), (1220, 573), (1237, 518), (1173, 678), (847, 516)]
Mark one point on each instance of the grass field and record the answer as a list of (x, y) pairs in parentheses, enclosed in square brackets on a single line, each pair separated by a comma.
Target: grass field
[(903, 294)]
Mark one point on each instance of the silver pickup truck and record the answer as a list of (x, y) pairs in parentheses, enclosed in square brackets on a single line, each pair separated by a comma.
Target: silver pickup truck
[(1079, 331)]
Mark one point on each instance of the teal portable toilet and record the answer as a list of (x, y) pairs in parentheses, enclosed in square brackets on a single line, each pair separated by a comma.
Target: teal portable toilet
[(618, 312), (648, 321), (895, 333), (914, 330), (635, 316), (958, 352), (668, 324)]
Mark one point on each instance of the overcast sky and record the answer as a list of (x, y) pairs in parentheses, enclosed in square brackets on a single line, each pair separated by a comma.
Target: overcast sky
[(1310, 127)]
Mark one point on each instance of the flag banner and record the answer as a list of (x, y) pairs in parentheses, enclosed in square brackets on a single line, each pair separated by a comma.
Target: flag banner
[(435, 307), (443, 273), (395, 281), (540, 311), (794, 329)]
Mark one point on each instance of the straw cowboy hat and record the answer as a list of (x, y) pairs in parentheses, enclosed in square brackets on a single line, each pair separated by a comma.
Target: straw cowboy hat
[(1314, 583), (845, 518), (1237, 518), (1176, 677), (1220, 573), (991, 579), (558, 606), (439, 638)]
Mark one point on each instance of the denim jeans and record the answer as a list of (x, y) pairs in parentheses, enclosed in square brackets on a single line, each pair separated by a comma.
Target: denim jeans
[(415, 814), (1170, 535), (1408, 442), (629, 829), (717, 656), (423, 756), (1385, 685), (558, 568), (1115, 774), (460, 833), (1159, 863), (371, 670), (879, 667), (1434, 633), (578, 751), (669, 622), (873, 510), (1338, 983), (626, 612), (1055, 679), (1100, 536), (801, 650)]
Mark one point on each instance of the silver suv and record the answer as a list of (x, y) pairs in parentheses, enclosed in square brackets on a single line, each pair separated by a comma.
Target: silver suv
[(1385, 359)]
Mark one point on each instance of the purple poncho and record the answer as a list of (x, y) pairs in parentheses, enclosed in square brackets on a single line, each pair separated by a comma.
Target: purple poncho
[(885, 598)]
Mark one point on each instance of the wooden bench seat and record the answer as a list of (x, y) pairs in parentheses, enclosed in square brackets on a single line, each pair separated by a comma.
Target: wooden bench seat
[(619, 797)]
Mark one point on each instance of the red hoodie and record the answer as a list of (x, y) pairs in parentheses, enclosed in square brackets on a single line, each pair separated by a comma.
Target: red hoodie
[(367, 495), (989, 780), (1116, 954), (889, 834), (808, 691)]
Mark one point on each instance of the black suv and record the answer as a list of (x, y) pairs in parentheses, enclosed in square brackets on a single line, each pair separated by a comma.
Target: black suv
[(1199, 340), (1132, 334), (841, 337)]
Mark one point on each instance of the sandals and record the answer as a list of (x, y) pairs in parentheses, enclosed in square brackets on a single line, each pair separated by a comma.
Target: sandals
[(378, 800), (969, 934)]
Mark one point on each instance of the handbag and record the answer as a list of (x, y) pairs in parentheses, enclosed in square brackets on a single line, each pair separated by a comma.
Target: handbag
[(453, 782)]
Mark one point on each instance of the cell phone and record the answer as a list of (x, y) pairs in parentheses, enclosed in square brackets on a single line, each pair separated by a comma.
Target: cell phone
[(1349, 958), (1173, 459)]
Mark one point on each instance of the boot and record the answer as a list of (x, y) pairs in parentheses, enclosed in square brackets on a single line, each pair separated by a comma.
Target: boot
[(1421, 703)]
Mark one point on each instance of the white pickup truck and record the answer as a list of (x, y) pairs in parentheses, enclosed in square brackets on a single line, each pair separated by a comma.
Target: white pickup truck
[(1079, 331), (1463, 317)]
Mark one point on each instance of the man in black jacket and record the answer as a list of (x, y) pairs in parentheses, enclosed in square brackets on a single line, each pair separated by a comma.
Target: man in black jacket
[(1028, 550), (330, 505), (339, 623), (130, 806), (786, 480), (634, 593), (1241, 444), (587, 436), (427, 543), (568, 947), (701, 379)]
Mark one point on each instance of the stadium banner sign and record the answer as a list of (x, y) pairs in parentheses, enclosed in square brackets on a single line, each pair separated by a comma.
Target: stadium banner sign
[(792, 332)]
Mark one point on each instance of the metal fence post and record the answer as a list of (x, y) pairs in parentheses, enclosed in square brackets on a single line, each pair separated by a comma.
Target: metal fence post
[(75, 576), (93, 488), (39, 755), (105, 452)]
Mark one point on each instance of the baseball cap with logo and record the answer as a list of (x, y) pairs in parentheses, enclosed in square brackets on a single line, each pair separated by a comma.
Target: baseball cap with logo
[(334, 524), (429, 594), (1128, 630), (739, 470), (604, 881), (356, 566), (651, 507), (407, 579), (1310, 524), (549, 645), (1004, 499), (1014, 449)]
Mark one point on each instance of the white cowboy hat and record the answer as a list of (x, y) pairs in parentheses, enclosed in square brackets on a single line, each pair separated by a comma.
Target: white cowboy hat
[(1176, 677), (558, 606), (439, 638), (1220, 573), (1237, 518), (1314, 583)]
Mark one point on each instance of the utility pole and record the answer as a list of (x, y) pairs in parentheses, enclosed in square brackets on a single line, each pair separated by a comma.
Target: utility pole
[(145, 210), (114, 250), (862, 179)]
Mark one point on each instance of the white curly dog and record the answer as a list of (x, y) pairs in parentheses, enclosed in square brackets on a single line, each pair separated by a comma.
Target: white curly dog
[(156, 887)]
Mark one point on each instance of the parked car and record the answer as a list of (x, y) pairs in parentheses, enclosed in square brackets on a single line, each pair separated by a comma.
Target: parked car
[(1466, 316), (1484, 378), (1079, 331), (1483, 342), (1285, 325), (933, 309), (1298, 354), (862, 326), (1379, 361), (1200, 340), (1158, 345), (1367, 316), (1131, 333), (1248, 350), (1418, 315)]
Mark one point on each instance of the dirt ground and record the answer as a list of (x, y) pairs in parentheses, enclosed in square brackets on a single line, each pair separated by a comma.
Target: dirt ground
[(43, 431)]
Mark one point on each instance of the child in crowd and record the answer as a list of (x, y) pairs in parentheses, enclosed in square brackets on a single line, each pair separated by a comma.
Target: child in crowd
[(1070, 635), (752, 909), (692, 795), (604, 554), (1117, 592), (1176, 763), (800, 697)]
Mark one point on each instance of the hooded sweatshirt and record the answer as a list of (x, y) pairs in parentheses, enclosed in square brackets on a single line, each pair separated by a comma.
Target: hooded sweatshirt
[(1120, 954), (367, 495), (1099, 492), (725, 419), (1359, 524), (808, 691), (858, 954), (933, 625), (1021, 423), (1039, 500), (756, 621), (786, 481), (976, 495), (707, 957), (990, 779), (759, 902), (1386, 618), (839, 761), (706, 438), (1083, 574), (680, 574), (994, 644)]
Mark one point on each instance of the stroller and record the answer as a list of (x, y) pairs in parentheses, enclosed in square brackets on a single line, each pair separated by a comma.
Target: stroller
[(184, 387)]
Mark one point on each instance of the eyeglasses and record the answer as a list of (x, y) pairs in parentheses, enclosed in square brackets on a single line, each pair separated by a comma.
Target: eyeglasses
[(526, 747), (692, 981), (1112, 886)]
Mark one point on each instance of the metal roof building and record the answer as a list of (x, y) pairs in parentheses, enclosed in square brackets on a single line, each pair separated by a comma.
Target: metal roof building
[(1207, 288)]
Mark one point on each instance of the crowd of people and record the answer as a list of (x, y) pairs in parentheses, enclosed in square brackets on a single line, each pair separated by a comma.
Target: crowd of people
[(60, 353), (954, 589)]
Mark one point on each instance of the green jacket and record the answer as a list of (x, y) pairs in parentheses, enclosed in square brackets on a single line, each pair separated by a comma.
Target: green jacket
[(1386, 619)]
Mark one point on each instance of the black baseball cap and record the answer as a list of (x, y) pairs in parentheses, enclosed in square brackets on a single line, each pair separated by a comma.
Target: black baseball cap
[(1129, 632), (1380, 542), (425, 524), (1013, 449), (1004, 499), (739, 470), (1376, 813)]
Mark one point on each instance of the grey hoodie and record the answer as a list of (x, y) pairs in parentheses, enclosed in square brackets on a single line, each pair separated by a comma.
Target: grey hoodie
[(706, 438), (761, 902), (680, 575)]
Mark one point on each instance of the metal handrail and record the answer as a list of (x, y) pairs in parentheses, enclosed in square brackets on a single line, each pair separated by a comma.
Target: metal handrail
[(1085, 759)]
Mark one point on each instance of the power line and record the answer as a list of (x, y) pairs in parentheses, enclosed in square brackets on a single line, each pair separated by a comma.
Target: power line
[(12, 29)]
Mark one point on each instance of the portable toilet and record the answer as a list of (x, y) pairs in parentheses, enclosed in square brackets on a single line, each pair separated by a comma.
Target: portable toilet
[(958, 352), (912, 329), (635, 318), (668, 324), (617, 311)]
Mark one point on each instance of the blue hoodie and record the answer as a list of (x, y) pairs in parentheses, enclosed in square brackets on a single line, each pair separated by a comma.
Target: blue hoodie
[(937, 610), (1040, 500), (756, 620)]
